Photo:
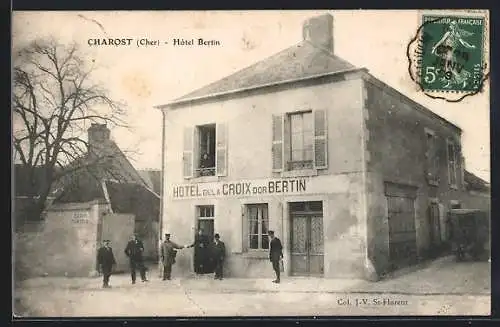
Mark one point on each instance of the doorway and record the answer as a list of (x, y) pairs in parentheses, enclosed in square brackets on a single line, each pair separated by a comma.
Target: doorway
[(202, 260), (307, 251)]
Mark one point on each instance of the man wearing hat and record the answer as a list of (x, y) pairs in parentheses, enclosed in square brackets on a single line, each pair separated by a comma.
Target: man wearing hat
[(168, 253), (134, 251), (219, 256), (105, 261)]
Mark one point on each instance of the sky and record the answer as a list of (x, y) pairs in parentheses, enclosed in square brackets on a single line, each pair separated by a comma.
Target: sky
[(145, 77)]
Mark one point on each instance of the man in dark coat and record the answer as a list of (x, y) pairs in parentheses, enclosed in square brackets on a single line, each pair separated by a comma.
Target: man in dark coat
[(275, 254), (219, 254), (168, 254), (202, 258), (105, 262), (134, 251)]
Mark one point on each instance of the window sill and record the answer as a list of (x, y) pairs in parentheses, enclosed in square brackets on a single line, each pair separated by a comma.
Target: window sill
[(205, 179), (454, 187), (256, 254), (300, 173)]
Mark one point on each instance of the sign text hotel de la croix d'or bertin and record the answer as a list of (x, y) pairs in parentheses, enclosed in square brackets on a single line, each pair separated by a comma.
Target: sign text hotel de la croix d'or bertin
[(240, 188)]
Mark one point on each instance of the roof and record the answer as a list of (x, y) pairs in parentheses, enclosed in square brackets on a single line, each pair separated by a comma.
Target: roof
[(132, 198), (152, 178), (27, 185), (105, 162), (475, 183), (297, 62)]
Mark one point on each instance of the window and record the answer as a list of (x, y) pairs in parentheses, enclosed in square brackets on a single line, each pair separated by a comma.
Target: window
[(204, 151), (299, 141), (432, 158), (452, 164), (205, 219), (258, 226)]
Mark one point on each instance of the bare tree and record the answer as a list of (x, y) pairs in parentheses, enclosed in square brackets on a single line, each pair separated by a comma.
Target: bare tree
[(54, 102)]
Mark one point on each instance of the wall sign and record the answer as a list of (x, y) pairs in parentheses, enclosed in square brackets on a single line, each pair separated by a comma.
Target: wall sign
[(80, 217), (240, 188)]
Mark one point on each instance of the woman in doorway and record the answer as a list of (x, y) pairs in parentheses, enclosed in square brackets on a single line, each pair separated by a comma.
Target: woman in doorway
[(202, 254)]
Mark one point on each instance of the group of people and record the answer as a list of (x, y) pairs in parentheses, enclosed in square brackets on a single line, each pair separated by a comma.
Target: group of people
[(208, 257), (134, 251)]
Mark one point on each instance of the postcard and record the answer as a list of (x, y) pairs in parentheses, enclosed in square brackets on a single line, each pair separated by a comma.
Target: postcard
[(251, 163)]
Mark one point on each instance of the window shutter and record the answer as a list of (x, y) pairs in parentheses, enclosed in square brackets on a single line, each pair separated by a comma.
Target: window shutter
[(187, 155), (244, 225), (221, 152), (320, 140), (277, 146)]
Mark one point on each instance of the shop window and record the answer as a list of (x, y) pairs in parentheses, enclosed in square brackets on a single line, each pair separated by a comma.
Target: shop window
[(258, 226), (205, 151), (299, 141)]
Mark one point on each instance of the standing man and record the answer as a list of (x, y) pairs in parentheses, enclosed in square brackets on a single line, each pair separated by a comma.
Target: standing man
[(219, 256), (275, 254), (168, 254), (134, 251), (105, 262), (201, 255)]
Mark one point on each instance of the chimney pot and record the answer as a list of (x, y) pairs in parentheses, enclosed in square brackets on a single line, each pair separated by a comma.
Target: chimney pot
[(98, 133), (318, 31)]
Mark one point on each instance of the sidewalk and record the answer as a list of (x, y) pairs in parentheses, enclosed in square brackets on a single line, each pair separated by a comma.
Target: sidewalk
[(443, 276)]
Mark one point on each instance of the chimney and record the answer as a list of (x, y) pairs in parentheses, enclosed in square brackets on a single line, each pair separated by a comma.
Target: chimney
[(319, 32), (98, 134)]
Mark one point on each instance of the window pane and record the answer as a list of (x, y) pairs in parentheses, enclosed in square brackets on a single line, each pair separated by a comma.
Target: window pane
[(254, 242), (265, 226), (254, 227), (265, 242), (308, 121)]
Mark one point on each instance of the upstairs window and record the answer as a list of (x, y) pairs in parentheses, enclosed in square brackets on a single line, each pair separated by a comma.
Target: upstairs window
[(204, 151), (299, 141), (452, 163), (432, 158)]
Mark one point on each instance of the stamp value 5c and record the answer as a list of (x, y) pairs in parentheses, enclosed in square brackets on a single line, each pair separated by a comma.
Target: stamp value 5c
[(451, 53)]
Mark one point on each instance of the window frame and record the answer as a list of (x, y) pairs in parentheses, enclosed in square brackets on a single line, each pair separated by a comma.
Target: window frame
[(432, 164), (259, 234), (309, 164), (452, 162)]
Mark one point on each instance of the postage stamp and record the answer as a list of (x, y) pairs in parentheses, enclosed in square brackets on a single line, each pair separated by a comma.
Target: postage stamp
[(450, 55)]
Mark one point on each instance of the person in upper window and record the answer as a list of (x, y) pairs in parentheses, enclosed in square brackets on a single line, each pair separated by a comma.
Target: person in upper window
[(206, 163)]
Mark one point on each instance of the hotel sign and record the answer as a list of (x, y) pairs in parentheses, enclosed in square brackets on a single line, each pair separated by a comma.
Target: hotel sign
[(241, 188)]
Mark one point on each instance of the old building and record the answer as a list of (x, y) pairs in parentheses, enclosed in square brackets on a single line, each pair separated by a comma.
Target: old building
[(354, 177), (106, 199)]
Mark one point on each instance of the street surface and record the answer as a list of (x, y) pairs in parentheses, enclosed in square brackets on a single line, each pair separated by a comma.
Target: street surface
[(443, 288)]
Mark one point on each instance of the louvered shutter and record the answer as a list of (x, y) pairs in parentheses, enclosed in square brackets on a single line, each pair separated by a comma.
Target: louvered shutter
[(277, 146), (187, 155), (221, 154), (244, 228), (320, 140)]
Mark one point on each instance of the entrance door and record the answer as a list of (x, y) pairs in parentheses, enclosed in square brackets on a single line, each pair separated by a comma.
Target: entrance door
[(402, 232), (203, 261), (307, 238), (434, 228)]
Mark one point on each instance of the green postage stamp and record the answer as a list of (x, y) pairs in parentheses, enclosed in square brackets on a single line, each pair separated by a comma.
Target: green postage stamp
[(451, 53)]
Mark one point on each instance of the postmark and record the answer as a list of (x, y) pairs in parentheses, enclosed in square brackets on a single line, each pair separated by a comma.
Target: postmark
[(448, 57)]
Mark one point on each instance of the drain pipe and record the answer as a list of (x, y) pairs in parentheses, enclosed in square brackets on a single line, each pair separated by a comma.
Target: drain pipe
[(162, 191)]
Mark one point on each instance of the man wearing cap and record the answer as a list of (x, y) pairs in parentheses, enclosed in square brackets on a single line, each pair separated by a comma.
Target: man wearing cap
[(134, 251), (219, 256), (275, 254), (105, 262), (168, 254)]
